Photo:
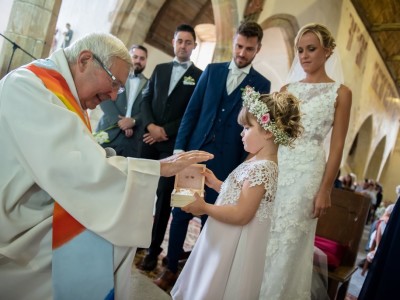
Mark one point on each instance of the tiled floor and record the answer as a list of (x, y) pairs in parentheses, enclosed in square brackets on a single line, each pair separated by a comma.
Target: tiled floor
[(143, 287)]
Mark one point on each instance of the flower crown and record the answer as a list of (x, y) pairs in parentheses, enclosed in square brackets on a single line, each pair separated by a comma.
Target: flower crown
[(251, 100)]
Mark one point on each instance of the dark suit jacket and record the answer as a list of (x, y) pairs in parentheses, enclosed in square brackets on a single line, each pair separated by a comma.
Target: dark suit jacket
[(112, 109), (200, 129), (161, 109)]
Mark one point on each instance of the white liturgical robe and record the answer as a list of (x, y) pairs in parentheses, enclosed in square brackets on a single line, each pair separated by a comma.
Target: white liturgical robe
[(48, 153)]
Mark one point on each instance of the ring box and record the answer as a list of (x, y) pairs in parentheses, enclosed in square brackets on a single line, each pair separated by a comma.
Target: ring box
[(187, 182)]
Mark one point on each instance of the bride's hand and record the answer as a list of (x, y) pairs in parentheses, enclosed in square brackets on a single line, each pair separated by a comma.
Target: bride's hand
[(322, 202)]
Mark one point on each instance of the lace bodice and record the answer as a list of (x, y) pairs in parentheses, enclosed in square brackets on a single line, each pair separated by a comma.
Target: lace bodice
[(308, 155), (317, 108), (258, 172)]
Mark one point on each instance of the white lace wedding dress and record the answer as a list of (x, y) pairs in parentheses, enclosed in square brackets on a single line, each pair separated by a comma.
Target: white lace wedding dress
[(289, 256), (227, 261)]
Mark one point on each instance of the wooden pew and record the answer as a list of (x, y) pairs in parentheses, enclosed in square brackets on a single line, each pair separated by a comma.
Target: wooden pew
[(344, 223)]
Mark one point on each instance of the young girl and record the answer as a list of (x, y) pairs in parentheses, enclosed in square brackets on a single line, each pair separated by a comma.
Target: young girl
[(228, 259)]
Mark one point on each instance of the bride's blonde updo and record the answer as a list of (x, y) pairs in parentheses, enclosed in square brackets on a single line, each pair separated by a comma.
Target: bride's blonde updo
[(324, 35)]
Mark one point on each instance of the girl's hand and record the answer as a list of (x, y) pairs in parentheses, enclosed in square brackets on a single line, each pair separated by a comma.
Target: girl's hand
[(197, 207), (212, 181), (322, 203)]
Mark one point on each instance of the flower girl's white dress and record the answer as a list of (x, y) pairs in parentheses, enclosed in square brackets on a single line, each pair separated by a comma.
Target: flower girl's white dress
[(227, 261), (289, 258)]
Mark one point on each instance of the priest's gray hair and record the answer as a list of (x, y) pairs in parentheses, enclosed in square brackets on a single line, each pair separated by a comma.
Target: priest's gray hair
[(104, 45)]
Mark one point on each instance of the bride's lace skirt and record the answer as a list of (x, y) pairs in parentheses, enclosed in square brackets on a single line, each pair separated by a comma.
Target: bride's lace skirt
[(289, 257)]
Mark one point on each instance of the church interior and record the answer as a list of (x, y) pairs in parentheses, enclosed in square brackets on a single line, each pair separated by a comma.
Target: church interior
[(367, 34)]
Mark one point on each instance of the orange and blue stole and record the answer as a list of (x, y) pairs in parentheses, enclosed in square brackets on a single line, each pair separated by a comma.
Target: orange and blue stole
[(82, 261)]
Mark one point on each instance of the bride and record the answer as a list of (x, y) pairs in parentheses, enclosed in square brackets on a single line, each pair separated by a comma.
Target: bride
[(305, 177)]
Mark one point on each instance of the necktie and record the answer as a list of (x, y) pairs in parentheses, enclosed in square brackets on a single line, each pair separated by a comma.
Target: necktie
[(183, 65), (233, 80)]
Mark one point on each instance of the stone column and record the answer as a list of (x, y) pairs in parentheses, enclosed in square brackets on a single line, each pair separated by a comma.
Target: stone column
[(133, 19), (226, 22), (31, 26)]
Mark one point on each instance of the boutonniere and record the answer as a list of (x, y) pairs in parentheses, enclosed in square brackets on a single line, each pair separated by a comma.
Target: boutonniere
[(188, 80), (102, 135)]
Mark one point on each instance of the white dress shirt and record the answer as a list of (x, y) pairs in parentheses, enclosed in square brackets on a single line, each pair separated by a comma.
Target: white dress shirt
[(178, 70), (134, 82), (235, 76)]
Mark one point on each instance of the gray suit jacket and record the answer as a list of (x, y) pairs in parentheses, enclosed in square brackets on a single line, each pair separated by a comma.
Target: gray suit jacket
[(112, 109)]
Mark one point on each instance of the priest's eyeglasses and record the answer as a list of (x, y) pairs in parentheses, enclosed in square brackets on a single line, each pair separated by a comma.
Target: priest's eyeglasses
[(116, 84)]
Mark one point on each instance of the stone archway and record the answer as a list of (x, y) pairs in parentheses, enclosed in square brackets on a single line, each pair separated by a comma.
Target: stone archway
[(277, 52), (390, 168), (358, 154), (385, 168), (375, 162), (132, 19), (289, 26)]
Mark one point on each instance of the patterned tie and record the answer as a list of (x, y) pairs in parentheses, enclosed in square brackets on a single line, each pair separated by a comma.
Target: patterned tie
[(183, 65), (232, 82)]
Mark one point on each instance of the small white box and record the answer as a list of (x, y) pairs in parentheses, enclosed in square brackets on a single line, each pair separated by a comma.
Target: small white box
[(188, 182)]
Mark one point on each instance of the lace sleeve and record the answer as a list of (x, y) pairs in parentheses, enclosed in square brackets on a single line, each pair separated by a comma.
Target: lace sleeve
[(258, 173), (263, 173)]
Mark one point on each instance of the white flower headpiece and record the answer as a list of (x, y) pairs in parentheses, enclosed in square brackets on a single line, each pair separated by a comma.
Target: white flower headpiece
[(251, 100)]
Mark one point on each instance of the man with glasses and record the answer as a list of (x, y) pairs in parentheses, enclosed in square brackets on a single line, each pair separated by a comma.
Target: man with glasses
[(71, 217), (122, 119), (115, 83)]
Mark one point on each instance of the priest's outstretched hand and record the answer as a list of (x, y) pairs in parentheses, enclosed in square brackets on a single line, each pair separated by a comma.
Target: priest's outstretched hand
[(177, 162)]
